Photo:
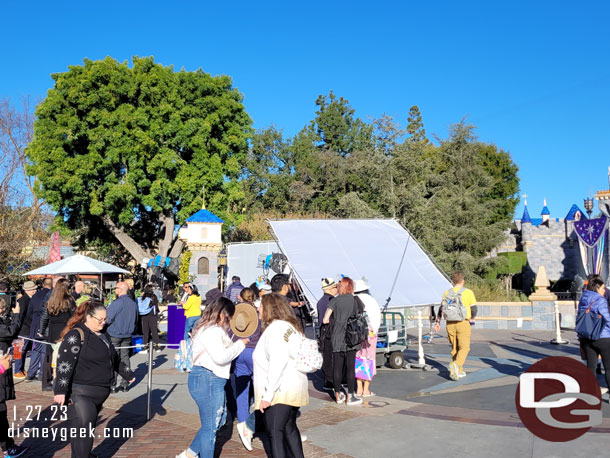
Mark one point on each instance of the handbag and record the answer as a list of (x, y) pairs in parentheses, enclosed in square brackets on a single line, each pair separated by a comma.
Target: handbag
[(309, 358), (364, 368), (589, 325)]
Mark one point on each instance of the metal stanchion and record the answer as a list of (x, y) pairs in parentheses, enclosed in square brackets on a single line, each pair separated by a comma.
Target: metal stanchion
[(150, 366), (558, 340), (421, 363), (420, 348)]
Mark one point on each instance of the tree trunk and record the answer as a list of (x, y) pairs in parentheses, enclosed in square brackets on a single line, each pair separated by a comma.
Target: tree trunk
[(176, 248), (130, 244), (165, 243)]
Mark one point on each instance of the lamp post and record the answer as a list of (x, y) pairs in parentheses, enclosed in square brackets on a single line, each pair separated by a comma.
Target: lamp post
[(589, 206), (222, 267)]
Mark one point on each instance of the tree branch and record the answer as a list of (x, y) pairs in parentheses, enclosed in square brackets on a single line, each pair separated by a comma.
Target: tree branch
[(125, 239), (176, 248), (167, 221)]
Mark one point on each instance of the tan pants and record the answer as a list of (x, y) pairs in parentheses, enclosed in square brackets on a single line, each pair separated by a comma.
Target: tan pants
[(459, 338)]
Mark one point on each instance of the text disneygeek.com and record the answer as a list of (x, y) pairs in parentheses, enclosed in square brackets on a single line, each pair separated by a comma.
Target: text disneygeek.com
[(64, 433)]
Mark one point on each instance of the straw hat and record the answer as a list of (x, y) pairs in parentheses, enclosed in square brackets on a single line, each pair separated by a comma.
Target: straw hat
[(328, 282), (29, 285), (245, 320)]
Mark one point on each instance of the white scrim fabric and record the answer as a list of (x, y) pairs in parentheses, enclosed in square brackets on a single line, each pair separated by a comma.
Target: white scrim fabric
[(361, 248), (242, 260), (77, 264)]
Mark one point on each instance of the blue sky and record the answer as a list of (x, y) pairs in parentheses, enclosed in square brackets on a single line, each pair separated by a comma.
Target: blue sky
[(534, 77)]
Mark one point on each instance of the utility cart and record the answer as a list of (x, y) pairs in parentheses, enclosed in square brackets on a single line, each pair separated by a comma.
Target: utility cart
[(392, 340)]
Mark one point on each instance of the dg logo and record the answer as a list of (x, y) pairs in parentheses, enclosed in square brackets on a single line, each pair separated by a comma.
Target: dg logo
[(558, 399)]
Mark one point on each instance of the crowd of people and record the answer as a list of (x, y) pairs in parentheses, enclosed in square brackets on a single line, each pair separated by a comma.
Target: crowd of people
[(59, 325), (254, 335), (245, 341)]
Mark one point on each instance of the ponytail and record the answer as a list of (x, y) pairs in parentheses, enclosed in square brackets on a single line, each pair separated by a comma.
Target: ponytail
[(88, 307)]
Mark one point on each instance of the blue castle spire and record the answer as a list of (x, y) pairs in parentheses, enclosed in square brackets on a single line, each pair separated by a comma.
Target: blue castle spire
[(545, 209), (526, 215)]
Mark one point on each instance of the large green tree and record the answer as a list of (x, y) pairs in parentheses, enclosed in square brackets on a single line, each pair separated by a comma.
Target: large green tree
[(124, 150), (322, 151), (456, 200)]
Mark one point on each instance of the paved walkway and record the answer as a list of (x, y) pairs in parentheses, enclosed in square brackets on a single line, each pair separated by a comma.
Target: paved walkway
[(415, 413)]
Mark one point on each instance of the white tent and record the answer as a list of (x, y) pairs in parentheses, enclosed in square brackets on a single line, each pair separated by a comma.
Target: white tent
[(77, 264), (361, 248), (243, 259)]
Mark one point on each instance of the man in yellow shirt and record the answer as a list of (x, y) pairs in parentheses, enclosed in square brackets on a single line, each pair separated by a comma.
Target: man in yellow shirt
[(457, 309)]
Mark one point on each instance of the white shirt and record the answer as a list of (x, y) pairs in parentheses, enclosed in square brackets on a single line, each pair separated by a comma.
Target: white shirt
[(372, 309), (214, 350), (276, 378)]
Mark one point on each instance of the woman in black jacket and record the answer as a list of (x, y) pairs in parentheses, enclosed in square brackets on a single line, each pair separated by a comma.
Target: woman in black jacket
[(86, 364), (55, 315)]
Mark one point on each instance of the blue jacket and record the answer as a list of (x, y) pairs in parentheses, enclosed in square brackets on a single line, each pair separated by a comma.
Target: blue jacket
[(598, 304), (121, 317), (233, 291), (145, 306)]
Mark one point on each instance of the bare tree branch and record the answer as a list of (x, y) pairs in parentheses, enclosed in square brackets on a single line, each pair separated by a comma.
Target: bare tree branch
[(125, 239)]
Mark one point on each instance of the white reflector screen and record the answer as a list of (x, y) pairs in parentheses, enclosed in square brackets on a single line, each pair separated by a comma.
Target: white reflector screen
[(361, 248)]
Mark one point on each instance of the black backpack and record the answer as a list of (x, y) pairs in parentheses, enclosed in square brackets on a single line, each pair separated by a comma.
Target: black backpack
[(357, 329)]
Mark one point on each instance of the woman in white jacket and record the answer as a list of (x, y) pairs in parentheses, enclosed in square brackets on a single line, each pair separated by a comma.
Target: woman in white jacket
[(213, 352), (369, 346), (279, 388)]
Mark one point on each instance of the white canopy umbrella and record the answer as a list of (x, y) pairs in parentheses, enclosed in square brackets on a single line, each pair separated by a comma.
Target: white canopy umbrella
[(77, 264)]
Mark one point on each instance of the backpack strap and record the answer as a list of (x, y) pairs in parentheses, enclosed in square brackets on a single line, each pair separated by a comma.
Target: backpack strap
[(360, 305), (82, 335)]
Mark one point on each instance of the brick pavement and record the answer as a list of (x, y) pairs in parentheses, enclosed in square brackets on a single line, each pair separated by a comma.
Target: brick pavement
[(165, 435)]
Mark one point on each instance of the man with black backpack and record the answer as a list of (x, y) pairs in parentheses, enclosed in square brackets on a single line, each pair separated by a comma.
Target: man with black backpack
[(456, 308)]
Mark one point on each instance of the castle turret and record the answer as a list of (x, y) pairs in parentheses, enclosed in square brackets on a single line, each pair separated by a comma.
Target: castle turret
[(202, 235), (545, 213)]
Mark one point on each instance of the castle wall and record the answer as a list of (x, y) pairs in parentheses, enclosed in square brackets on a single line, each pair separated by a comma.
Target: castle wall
[(554, 245)]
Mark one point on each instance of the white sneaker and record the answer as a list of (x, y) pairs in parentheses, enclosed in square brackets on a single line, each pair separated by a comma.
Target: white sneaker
[(604, 390), (462, 374), (158, 350), (341, 399), (144, 352), (303, 437), (185, 455), (245, 435), (453, 370)]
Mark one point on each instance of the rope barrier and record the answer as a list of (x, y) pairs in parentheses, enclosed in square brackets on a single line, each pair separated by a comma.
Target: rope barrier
[(44, 342)]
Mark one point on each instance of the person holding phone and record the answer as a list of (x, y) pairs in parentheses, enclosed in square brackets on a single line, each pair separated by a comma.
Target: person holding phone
[(9, 325)]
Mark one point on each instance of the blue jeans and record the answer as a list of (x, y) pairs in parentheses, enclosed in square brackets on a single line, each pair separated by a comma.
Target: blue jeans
[(36, 358), (208, 392), (188, 325), (243, 378)]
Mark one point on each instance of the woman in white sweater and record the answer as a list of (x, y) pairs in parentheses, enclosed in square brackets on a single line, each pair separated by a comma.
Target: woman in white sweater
[(213, 352), (279, 388), (369, 346)]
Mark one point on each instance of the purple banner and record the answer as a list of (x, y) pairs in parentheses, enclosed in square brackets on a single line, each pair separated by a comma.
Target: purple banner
[(590, 230)]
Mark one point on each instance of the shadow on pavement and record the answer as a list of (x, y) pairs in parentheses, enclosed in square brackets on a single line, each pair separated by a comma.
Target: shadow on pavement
[(537, 355), (132, 416), (51, 447), (141, 370)]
